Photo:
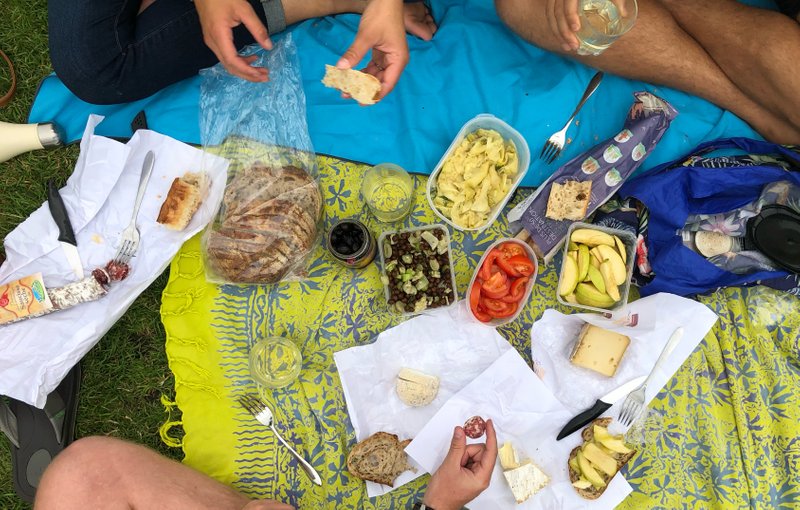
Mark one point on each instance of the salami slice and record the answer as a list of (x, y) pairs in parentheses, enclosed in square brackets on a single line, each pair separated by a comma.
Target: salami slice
[(475, 427)]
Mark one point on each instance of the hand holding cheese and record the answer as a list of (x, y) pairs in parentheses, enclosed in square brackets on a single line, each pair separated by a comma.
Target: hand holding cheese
[(464, 473)]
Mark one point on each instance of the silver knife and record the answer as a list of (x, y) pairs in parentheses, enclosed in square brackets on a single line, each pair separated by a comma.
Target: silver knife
[(600, 406), (65, 233)]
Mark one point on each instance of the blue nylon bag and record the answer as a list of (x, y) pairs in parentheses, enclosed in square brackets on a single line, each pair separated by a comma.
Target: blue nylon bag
[(675, 190)]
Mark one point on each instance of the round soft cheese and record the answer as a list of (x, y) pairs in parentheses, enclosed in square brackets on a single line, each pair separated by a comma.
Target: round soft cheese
[(415, 388)]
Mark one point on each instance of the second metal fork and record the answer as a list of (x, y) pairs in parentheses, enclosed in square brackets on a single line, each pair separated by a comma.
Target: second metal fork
[(634, 402), (129, 241), (555, 144)]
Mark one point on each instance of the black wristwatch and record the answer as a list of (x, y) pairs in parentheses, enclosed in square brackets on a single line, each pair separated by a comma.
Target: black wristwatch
[(422, 506)]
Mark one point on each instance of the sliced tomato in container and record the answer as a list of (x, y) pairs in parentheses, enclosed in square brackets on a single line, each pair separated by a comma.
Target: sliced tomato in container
[(475, 296), (495, 287), (508, 310), (509, 269), (521, 264), (511, 250), (517, 290), (494, 305), (486, 269)]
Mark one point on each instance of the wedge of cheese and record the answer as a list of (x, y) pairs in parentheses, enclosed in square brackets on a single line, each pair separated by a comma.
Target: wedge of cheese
[(526, 480), (599, 349)]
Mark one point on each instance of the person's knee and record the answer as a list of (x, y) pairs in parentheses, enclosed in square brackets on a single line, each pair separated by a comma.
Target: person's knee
[(526, 18), (82, 464)]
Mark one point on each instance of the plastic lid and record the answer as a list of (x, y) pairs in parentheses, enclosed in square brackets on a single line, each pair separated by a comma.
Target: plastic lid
[(776, 233)]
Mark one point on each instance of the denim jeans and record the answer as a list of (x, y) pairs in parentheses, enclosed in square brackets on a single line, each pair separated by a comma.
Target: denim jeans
[(106, 54)]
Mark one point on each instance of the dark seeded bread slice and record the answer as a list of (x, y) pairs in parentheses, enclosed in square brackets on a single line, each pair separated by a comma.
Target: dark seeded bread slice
[(622, 459), (380, 458)]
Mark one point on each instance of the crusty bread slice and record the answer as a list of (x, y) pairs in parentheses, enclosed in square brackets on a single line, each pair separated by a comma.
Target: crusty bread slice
[(379, 458), (569, 201), (184, 198), (621, 458), (362, 87)]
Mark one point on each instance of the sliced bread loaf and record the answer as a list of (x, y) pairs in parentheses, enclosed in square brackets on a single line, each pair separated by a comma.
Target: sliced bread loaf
[(380, 458)]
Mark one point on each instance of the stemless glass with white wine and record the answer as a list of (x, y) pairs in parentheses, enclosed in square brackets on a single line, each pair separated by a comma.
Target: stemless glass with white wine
[(388, 191), (603, 22)]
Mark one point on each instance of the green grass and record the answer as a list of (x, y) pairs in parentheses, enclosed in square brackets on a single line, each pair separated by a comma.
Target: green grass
[(126, 373)]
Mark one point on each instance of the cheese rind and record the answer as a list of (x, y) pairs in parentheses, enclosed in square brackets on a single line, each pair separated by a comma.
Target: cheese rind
[(525, 481), (599, 349)]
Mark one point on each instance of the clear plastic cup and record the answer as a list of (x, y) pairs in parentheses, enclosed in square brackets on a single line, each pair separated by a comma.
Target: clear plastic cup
[(603, 22), (388, 191), (275, 362)]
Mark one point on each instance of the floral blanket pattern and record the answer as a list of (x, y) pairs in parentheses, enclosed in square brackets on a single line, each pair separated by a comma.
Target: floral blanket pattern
[(731, 415)]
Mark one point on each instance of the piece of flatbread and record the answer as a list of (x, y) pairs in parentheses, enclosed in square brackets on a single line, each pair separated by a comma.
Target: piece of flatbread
[(362, 87)]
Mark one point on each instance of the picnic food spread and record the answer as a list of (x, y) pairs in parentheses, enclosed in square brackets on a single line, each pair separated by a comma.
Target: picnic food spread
[(476, 176), (269, 221), (266, 225)]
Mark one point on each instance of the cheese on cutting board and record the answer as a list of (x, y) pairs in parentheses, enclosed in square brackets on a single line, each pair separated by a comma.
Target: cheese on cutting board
[(599, 349), (524, 480)]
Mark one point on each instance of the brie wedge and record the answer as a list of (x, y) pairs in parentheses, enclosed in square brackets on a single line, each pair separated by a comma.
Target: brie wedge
[(525, 481)]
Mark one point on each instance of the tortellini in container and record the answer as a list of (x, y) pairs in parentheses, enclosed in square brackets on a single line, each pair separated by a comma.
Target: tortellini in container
[(477, 175)]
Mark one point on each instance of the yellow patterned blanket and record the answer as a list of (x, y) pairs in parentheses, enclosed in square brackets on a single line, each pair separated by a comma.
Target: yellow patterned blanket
[(732, 412)]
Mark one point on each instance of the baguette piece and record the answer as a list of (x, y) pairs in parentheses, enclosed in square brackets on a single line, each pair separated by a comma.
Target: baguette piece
[(380, 458), (620, 458), (569, 201), (361, 86), (184, 198)]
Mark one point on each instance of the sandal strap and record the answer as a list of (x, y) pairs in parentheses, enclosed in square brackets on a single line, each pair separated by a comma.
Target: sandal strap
[(6, 98)]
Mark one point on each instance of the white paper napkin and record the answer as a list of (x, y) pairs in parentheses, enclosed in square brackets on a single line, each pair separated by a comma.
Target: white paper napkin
[(36, 354), (526, 413), (649, 322), (444, 343)]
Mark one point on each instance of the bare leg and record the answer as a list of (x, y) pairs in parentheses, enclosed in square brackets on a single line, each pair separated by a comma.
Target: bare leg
[(756, 48), (657, 51), (101, 472)]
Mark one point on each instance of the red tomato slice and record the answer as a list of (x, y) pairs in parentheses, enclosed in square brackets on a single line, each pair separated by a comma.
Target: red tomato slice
[(509, 310), (482, 316), (475, 296), (486, 269), (511, 250), (494, 305), (517, 290), (522, 264), (495, 287), (508, 268)]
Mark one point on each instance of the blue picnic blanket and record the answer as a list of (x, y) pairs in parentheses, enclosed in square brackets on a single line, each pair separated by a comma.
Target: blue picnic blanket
[(473, 65)]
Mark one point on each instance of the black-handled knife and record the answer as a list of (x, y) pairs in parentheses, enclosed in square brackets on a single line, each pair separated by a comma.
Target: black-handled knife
[(600, 406), (65, 233)]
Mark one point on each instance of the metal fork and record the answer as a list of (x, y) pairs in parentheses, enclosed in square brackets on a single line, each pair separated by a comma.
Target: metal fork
[(263, 414), (634, 402), (555, 144), (129, 241)]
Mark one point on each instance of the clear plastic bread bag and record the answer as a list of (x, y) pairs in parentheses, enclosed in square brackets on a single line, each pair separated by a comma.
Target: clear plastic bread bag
[(269, 219)]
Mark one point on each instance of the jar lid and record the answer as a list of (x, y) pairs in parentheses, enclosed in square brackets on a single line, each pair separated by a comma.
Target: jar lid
[(775, 232)]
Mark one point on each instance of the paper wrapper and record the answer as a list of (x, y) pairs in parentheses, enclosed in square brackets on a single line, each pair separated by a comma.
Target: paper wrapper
[(526, 413), (444, 343), (36, 354), (649, 322), (607, 165)]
